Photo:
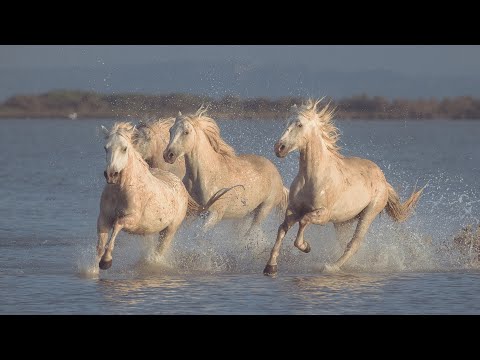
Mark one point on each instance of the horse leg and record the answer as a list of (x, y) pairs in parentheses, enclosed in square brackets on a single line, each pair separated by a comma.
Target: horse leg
[(342, 231), (366, 218), (103, 228), (106, 260), (300, 243), (165, 239), (271, 267), (260, 214), (318, 216)]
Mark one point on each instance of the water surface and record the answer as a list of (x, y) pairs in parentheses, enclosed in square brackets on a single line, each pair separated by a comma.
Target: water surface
[(51, 180)]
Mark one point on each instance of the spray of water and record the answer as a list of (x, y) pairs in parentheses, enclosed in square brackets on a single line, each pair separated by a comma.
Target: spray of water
[(423, 243), (86, 262)]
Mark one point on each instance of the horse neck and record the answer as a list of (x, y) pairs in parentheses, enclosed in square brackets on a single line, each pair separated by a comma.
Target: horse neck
[(160, 138), (134, 172), (315, 158), (202, 162), (156, 147)]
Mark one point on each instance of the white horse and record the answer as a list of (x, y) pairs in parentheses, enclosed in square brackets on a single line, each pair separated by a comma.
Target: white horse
[(254, 183), (150, 139), (330, 187), (134, 199)]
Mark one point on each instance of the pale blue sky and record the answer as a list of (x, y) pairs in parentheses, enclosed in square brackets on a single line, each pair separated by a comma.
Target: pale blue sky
[(406, 59)]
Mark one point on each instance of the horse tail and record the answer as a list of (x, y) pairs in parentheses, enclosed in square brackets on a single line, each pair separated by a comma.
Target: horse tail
[(398, 211), (283, 204), (195, 209)]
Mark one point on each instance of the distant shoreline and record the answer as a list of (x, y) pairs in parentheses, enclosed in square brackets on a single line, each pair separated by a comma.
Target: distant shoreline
[(79, 105)]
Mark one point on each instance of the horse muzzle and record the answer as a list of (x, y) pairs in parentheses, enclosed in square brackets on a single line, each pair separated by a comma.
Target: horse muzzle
[(169, 156), (111, 176), (280, 150)]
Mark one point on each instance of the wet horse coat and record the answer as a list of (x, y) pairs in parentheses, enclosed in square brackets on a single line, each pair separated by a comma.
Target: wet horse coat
[(151, 139), (330, 187), (135, 199), (211, 164)]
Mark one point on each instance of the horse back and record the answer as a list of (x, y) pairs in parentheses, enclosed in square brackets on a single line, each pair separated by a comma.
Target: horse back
[(259, 163), (367, 170)]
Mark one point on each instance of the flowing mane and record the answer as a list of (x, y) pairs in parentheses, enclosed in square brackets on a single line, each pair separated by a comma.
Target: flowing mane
[(123, 128), (149, 128), (324, 118), (212, 169), (129, 132), (324, 182), (211, 131)]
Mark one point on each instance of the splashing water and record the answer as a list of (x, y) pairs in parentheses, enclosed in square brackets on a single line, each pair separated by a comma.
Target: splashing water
[(422, 243), (50, 195), (86, 262), (388, 247)]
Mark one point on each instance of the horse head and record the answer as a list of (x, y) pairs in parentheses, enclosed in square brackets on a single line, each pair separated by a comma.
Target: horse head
[(182, 139), (301, 122), (117, 146)]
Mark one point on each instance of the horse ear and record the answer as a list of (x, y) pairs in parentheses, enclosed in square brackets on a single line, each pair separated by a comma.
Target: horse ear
[(105, 131)]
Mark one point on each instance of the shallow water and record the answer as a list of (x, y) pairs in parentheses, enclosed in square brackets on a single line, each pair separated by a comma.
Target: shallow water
[(51, 180)]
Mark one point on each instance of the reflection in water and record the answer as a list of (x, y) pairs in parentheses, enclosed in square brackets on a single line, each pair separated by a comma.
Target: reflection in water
[(325, 293), (137, 291), (338, 293), (325, 285), (339, 282)]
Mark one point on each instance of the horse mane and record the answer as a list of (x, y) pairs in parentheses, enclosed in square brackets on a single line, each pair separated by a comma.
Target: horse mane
[(146, 129), (324, 118), (129, 132), (123, 128), (211, 130)]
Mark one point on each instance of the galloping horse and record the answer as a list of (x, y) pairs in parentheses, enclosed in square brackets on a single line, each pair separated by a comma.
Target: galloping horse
[(135, 199), (330, 187), (211, 164), (151, 139)]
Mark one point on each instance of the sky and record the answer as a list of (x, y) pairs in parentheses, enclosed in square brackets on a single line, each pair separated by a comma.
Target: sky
[(434, 60)]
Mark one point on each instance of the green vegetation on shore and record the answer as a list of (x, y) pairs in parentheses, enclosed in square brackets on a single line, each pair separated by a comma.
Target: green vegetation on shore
[(61, 103)]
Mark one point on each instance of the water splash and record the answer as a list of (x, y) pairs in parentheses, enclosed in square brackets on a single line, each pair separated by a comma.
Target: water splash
[(86, 262), (423, 243)]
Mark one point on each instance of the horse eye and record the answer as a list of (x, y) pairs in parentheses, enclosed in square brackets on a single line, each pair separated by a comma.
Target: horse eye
[(186, 132), (124, 149), (300, 125)]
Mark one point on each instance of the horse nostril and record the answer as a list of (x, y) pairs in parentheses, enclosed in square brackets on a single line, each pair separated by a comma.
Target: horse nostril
[(170, 155), (115, 173), (282, 147)]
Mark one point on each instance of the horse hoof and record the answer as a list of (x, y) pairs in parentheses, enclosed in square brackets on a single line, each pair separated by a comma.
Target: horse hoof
[(270, 270), (307, 249), (104, 265)]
